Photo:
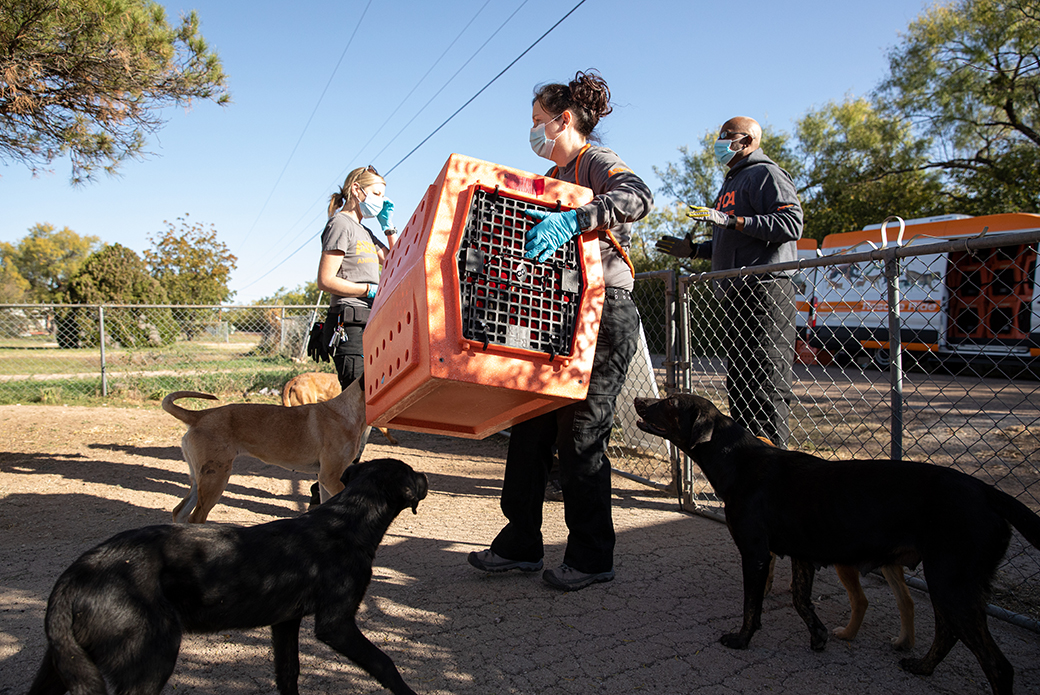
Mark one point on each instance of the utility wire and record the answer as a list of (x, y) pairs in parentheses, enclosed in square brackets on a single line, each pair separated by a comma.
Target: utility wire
[(271, 252), (308, 124), (423, 78), (457, 111), (450, 79), (493, 79)]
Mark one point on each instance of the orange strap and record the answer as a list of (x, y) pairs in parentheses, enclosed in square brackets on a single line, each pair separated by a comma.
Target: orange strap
[(610, 235)]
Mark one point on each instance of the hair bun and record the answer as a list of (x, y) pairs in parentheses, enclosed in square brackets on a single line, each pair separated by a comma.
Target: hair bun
[(587, 96), (590, 90)]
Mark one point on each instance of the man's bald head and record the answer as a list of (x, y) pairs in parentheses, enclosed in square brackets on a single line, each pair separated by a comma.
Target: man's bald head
[(745, 131)]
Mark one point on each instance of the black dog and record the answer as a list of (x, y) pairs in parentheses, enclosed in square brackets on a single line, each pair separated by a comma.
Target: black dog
[(117, 613), (860, 513)]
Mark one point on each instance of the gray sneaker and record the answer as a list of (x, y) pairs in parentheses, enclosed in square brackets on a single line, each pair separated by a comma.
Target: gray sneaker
[(489, 562), (570, 579)]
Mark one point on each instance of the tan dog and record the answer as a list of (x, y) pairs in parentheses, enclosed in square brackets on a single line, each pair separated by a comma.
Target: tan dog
[(321, 437), (849, 577), (315, 387), (310, 387)]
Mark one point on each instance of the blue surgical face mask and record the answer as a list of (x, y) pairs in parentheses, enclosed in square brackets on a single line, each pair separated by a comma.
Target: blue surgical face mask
[(371, 205), (723, 153), (542, 145)]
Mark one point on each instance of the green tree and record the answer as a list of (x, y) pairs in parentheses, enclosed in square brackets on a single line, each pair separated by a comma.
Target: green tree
[(669, 220), (13, 287), (968, 73), (117, 275), (193, 268), (861, 165), (45, 259), (190, 263), (306, 293), (91, 78)]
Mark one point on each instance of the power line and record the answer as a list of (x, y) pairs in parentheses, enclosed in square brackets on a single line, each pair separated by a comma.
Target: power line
[(302, 247), (459, 110), (493, 79), (308, 124), (450, 79), (423, 78), (271, 252)]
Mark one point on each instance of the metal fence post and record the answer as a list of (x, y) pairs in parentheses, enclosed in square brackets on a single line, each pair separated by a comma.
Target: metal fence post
[(671, 331), (101, 334), (281, 330), (684, 487), (895, 352), (685, 357)]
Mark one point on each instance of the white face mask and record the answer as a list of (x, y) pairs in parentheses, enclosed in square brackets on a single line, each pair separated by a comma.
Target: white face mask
[(542, 145), (371, 205)]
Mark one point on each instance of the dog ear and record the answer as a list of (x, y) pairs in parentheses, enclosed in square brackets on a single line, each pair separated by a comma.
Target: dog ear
[(701, 428), (417, 491), (349, 473)]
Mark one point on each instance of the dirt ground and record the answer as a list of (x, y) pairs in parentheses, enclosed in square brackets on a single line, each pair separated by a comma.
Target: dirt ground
[(70, 477)]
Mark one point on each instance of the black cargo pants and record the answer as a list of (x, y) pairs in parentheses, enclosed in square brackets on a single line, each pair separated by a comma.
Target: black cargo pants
[(581, 433), (759, 313)]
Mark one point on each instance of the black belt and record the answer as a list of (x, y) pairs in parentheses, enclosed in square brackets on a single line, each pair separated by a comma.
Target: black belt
[(618, 293), (349, 314)]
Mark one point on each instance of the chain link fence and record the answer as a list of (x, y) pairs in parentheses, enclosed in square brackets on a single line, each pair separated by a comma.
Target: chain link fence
[(53, 353), (632, 452), (948, 376)]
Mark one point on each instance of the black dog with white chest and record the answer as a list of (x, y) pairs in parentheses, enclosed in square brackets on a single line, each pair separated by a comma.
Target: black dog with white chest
[(117, 614), (860, 513)]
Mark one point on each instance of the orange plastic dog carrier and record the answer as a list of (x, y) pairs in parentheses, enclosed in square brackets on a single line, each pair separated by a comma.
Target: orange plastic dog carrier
[(466, 336)]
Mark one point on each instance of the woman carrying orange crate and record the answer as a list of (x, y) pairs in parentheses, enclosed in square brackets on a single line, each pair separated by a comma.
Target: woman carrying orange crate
[(564, 117)]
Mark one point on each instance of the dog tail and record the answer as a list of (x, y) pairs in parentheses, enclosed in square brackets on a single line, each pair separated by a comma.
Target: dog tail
[(287, 394), (67, 656), (1018, 515), (189, 417)]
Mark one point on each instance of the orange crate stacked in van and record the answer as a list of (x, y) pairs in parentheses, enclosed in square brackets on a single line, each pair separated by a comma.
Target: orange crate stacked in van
[(466, 336)]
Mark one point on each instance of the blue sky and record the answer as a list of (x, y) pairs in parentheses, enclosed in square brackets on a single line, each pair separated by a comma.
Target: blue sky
[(261, 169)]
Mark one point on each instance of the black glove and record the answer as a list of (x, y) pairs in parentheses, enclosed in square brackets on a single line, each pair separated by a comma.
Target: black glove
[(674, 246), (317, 350)]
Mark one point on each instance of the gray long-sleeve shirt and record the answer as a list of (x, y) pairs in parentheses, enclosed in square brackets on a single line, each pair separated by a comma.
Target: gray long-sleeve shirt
[(621, 199), (761, 192)]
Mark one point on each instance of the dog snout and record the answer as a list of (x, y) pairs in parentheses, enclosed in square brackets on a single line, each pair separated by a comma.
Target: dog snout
[(642, 404)]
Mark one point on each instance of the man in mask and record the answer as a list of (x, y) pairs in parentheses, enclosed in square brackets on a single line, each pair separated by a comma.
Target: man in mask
[(756, 220)]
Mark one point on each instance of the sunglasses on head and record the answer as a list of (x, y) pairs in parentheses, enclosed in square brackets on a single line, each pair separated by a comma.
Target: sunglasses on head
[(731, 134), (372, 169)]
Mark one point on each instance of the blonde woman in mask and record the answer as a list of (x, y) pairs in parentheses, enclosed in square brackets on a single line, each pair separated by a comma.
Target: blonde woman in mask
[(351, 257), (564, 117)]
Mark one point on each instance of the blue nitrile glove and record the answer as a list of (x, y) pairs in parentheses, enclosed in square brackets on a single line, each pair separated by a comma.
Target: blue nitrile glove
[(554, 230), (372, 287), (385, 214)]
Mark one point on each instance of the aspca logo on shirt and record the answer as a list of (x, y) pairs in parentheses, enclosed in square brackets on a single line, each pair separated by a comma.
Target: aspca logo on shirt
[(366, 251), (727, 201)]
